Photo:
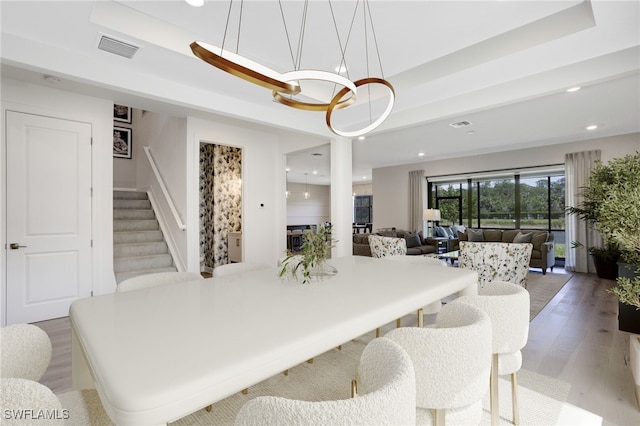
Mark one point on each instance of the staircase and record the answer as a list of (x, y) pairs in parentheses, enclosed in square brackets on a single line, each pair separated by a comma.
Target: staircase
[(138, 244)]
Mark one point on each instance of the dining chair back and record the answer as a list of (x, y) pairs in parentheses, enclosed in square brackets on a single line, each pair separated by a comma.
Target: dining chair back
[(236, 268), (26, 354), (159, 278), (387, 246), (508, 306), (386, 396), (496, 261), (25, 351), (452, 362)]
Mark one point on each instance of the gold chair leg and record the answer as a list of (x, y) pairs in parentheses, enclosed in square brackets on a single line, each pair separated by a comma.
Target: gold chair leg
[(310, 361), (398, 323), (493, 390), (514, 397), (354, 388), (339, 347), (245, 391), (209, 408), (377, 332), (420, 318), (285, 372), (440, 416)]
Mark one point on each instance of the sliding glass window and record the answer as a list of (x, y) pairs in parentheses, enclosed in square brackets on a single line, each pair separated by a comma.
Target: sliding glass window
[(520, 199)]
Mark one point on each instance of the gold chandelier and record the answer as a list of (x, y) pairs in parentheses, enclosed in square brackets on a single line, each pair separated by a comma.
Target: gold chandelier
[(286, 86)]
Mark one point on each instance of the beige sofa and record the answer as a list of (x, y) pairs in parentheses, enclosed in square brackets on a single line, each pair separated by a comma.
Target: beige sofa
[(543, 254)]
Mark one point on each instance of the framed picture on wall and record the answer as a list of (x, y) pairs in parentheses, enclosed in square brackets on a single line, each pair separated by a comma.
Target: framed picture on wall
[(122, 142), (121, 113)]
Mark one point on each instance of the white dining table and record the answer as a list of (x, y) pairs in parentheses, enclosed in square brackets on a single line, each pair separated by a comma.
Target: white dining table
[(158, 354)]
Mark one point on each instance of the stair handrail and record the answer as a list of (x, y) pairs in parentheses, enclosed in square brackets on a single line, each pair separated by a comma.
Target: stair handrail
[(165, 192)]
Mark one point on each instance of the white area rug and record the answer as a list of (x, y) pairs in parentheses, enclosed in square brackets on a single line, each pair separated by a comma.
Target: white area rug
[(329, 376)]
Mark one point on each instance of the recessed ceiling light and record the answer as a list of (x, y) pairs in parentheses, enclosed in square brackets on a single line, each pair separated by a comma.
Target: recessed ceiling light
[(340, 68), (361, 138), (288, 169), (459, 124), (52, 79), (364, 177), (471, 132), (421, 154), (592, 127), (315, 172), (195, 3), (574, 89)]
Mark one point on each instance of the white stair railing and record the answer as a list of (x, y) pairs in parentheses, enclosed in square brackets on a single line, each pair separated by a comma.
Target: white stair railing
[(164, 190)]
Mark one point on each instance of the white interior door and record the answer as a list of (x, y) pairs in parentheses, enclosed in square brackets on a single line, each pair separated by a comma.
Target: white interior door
[(48, 216)]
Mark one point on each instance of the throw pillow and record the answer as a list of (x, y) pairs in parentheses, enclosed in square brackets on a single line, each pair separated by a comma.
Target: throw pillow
[(538, 239), (412, 239), (475, 235), (387, 233), (462, 236), (440, 232), (451, 233), (523, 238)]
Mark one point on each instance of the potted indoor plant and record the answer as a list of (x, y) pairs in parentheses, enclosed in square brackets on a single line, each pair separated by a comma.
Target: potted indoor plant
[(617, 186), (605, 257), (316, 249)]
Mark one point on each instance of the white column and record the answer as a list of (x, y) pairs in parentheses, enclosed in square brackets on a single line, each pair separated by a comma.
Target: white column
[(341, 196)]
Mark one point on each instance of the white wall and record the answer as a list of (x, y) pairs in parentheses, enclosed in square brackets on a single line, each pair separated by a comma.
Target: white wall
[(263, 188), (362, 189), (124, 169), (391, 184), (50, 102), (312, 211)]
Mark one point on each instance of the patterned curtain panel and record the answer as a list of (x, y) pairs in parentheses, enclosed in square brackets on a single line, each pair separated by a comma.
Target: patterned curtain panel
[(578, 167), (220, 201), (416, 178)]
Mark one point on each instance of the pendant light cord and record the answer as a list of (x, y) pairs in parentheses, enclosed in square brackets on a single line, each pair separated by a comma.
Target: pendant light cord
[(226, 26)]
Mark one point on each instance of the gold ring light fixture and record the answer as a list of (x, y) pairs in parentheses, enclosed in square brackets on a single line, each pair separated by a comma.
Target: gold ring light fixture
[(287, 88)]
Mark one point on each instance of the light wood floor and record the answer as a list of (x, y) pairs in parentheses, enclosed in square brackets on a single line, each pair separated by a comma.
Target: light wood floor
[(574, 338)]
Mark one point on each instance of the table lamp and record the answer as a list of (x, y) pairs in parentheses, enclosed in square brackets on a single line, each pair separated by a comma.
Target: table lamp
[(430, 215)]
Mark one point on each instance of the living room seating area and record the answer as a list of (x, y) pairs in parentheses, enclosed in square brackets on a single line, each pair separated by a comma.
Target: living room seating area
[(417, 244)]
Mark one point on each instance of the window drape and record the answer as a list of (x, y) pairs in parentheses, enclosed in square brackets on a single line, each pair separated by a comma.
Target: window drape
[(578, 166), (416, 178)]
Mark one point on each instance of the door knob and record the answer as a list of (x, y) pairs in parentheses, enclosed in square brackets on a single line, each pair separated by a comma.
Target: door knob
[(15, 246)]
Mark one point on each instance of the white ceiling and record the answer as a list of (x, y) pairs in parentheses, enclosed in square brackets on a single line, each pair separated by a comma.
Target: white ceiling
[(503, 66)]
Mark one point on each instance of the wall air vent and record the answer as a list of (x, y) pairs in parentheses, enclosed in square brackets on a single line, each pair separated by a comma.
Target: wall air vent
[(460, 124), (117, 47)]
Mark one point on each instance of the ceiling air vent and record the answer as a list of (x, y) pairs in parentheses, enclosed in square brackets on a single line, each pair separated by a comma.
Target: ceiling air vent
[(460, 124), (117, 47)]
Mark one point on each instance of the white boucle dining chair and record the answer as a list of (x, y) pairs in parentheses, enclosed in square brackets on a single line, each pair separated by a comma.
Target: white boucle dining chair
[(236, 268), (386, 396), (452, 363), (496, 261), (507, 305), (159, 278), (25, 351)]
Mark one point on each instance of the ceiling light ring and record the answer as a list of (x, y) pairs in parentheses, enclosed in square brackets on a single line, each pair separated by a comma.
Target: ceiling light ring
[(295, 76), (253, 72), (335, 104)]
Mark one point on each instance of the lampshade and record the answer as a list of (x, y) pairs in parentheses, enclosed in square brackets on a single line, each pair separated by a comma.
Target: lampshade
[(431, 214)]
